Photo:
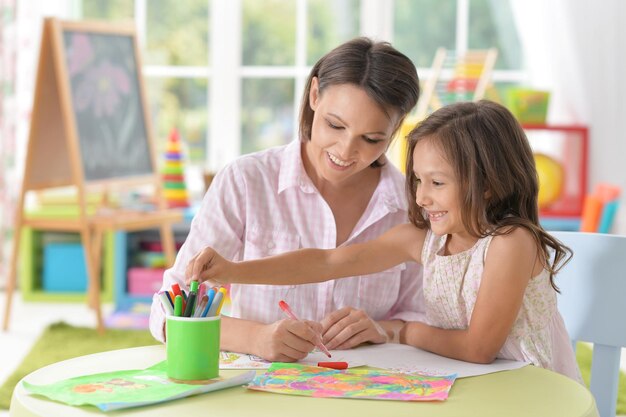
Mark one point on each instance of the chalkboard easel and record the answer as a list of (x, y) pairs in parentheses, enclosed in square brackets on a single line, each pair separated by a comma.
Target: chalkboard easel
[(90, 130)]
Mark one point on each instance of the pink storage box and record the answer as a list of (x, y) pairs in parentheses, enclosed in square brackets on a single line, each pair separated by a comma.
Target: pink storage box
[(155, 245), (144, 281)]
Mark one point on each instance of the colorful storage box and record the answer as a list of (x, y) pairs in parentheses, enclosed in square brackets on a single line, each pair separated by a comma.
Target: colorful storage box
[(529, 106), (32, 265), (144, 281), (64, 268)]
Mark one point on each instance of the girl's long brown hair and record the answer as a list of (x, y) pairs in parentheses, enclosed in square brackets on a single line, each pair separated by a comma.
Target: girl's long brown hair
[(495, 168)]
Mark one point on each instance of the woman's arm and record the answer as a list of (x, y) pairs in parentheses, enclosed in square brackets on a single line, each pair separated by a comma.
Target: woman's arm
[(511, 262), (312, 265)]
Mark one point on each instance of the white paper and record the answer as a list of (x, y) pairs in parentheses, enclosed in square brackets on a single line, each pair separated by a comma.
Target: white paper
[(404, 358), (233, 360), (391, 356)]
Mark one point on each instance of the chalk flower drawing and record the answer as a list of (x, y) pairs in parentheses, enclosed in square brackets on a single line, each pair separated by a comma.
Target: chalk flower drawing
[(102, 89)]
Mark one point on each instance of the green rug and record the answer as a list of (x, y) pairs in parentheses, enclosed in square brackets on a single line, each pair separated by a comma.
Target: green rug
[(61, 341)]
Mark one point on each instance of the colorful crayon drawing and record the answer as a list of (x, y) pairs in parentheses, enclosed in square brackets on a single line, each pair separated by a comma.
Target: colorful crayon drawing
[(371, 384)]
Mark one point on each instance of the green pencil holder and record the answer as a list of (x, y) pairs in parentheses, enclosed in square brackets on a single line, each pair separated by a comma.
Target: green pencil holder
[(193, 348)]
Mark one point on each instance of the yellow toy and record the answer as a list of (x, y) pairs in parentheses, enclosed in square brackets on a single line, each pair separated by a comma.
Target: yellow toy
[(551, 177)]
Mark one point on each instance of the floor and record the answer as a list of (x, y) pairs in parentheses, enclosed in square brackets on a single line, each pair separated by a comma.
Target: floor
[(29, 319)]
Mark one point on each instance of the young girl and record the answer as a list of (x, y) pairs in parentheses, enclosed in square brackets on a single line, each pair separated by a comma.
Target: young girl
[(488, 275)]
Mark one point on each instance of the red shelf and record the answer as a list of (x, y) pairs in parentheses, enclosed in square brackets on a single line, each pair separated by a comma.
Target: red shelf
[(569, 145)]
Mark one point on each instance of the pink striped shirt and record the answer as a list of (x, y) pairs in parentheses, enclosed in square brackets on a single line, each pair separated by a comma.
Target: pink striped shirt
[(264, 204)]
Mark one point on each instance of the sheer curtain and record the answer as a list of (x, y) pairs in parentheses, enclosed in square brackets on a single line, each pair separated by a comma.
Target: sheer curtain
[(20, 35), (8, 125), (577, 50), (552, 56)]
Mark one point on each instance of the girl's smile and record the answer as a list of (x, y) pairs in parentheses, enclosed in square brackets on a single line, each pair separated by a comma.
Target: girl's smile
[(434, 216)]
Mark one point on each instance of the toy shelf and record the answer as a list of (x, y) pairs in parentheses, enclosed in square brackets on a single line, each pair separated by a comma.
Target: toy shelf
[(565, 148), (32, 267), (128, 248), (120, 250)]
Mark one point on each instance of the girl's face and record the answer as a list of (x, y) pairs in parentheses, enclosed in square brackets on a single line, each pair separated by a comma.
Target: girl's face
[(437, 189), (349, 132)]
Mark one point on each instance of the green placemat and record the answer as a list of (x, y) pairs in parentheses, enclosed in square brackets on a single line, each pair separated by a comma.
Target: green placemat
[(61, 341)]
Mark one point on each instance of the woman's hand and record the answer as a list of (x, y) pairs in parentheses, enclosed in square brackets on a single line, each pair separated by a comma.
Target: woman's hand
[(349, 327), (208, 265), (286, 340)]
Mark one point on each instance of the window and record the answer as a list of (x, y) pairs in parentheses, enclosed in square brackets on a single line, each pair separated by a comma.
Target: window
[(281, 40), (421, 26), (175, 56), (229, 74)]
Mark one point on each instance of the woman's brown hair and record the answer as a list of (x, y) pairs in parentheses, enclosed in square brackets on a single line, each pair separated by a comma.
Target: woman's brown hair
[(386, 75)]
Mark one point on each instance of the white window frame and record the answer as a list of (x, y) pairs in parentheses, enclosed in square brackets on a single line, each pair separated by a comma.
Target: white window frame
[(225, 72)]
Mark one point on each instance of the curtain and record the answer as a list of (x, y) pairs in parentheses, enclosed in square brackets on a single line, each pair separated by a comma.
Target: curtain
[(552, 57), (21, 22), (8, 127), (577, 50)]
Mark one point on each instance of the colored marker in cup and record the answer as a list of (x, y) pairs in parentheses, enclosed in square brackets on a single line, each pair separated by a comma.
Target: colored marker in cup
[(178, 306)]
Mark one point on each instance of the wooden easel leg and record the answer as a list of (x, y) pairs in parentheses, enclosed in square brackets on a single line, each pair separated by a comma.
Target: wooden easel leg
[(96, 291), (169, 246), (93, 245), (12, 278)]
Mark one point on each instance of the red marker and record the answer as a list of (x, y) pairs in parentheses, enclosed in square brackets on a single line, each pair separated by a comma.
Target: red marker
[(176, 290), (285, 307), (333, 365)]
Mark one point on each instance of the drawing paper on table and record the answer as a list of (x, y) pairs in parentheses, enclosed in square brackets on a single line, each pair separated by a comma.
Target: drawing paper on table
[(234, 360), (406, 358), (391, 356), (129, 388)]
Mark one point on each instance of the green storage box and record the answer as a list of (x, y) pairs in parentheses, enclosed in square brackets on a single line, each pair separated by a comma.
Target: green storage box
[(527, 105)]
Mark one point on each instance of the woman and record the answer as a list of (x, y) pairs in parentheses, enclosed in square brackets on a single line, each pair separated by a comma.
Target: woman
[(332, 187)]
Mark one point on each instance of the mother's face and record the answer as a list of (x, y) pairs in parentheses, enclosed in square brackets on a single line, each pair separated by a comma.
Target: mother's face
[(349, 131)]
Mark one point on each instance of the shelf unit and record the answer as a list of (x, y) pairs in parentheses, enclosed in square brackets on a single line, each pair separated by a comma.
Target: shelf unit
[(125, 245), (31, 267), (569, 145)]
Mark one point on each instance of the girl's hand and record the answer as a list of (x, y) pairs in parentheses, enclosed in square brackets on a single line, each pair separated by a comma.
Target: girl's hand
[(208, 265), (286, 340), (349, 327)]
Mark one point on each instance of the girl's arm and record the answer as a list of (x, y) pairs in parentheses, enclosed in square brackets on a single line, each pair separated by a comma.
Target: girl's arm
[(511, 262), (313, 265)]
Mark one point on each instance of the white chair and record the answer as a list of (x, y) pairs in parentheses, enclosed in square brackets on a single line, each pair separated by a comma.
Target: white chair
[(593, 305)]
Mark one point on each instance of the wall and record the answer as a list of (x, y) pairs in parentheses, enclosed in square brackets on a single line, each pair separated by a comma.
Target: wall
[(601, 37), (577, 50)]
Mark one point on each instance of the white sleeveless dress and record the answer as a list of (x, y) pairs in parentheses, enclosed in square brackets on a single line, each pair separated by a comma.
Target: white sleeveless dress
[(451, 287)]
